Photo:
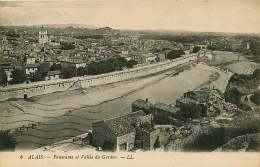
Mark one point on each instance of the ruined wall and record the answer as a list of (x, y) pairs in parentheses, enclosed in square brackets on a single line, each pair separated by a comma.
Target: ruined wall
[(45, 87)]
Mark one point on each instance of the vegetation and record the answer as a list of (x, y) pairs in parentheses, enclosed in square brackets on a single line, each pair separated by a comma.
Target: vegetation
[(55, 67), (3, 77), (68, 72), (255, 47), (80, 71), (131, 63), (18, 76), (173, 54), (7, 141), (196, 49), (106, 66), (41, 73)]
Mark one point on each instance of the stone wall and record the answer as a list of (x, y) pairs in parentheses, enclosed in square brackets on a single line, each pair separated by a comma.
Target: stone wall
[(45, 87), (102, 134), (128, 139)]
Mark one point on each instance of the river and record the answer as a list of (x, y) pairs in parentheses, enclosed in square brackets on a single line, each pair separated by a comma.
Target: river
[(79, 121)]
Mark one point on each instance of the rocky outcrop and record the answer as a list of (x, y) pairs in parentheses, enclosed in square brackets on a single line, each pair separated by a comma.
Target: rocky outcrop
[(248, 142)]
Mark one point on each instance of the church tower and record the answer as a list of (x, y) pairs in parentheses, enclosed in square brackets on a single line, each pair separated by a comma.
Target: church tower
[(43, 36)]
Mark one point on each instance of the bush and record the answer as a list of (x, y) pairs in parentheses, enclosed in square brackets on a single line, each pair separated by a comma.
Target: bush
[(131, 63), (106, 66), (18, 76), (68, 72)]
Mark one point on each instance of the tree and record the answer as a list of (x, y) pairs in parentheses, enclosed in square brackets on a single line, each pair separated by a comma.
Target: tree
[(55, 67), (18, 76), (196, 49), (7, 141), (173, 54), (81, 71), (41, 73), (68, 72), (131, 63), (106, 66), (3, 77)]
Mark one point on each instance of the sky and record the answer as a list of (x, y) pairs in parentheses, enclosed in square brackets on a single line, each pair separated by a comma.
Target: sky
[(192, 15)]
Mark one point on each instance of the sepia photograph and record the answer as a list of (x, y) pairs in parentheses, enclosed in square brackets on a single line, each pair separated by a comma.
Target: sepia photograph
[(130, 80)]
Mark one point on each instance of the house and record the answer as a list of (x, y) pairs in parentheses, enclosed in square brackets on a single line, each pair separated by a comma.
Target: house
[(144, 58), (133, 130), (160, 57), (162, 113), (73, 62), (30, 60), (147, 137), (193, 104), (8, 69), (165, 114), (52, 75), (116, 133), (31, 68), (149, 58)]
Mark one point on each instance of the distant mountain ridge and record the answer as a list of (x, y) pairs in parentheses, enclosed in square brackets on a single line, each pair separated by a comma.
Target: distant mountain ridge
[(74, 25)]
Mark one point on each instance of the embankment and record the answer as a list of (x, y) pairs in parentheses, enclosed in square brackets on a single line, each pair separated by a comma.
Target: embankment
[(46, 87)]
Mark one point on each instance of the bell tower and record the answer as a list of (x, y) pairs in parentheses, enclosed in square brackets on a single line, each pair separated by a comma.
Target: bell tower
[(43, 36)]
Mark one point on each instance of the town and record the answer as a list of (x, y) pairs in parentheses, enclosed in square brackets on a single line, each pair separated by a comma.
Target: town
[(39, 53), (62, 69)]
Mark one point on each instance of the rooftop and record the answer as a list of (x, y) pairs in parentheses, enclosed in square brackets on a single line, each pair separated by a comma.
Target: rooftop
[(165, 107), (123, 124)]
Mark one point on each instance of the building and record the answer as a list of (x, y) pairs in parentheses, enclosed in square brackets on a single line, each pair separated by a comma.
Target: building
[(31, 68), (43, 36), (30, 60), (193, 104), (149, 58), (133, 130), (52, 75), (162, 113), (116, 133), (8, 69), (147, 137), (161, 57), (165, 114), (73, 63)]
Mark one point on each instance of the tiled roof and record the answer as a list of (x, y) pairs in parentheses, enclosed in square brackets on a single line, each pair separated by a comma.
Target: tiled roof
[(123, 124)]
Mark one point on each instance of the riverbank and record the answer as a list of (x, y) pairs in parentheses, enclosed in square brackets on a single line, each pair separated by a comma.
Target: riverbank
[(61, 116)]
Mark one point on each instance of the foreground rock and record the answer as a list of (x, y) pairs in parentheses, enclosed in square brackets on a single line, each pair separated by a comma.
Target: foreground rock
[(250, 142)]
